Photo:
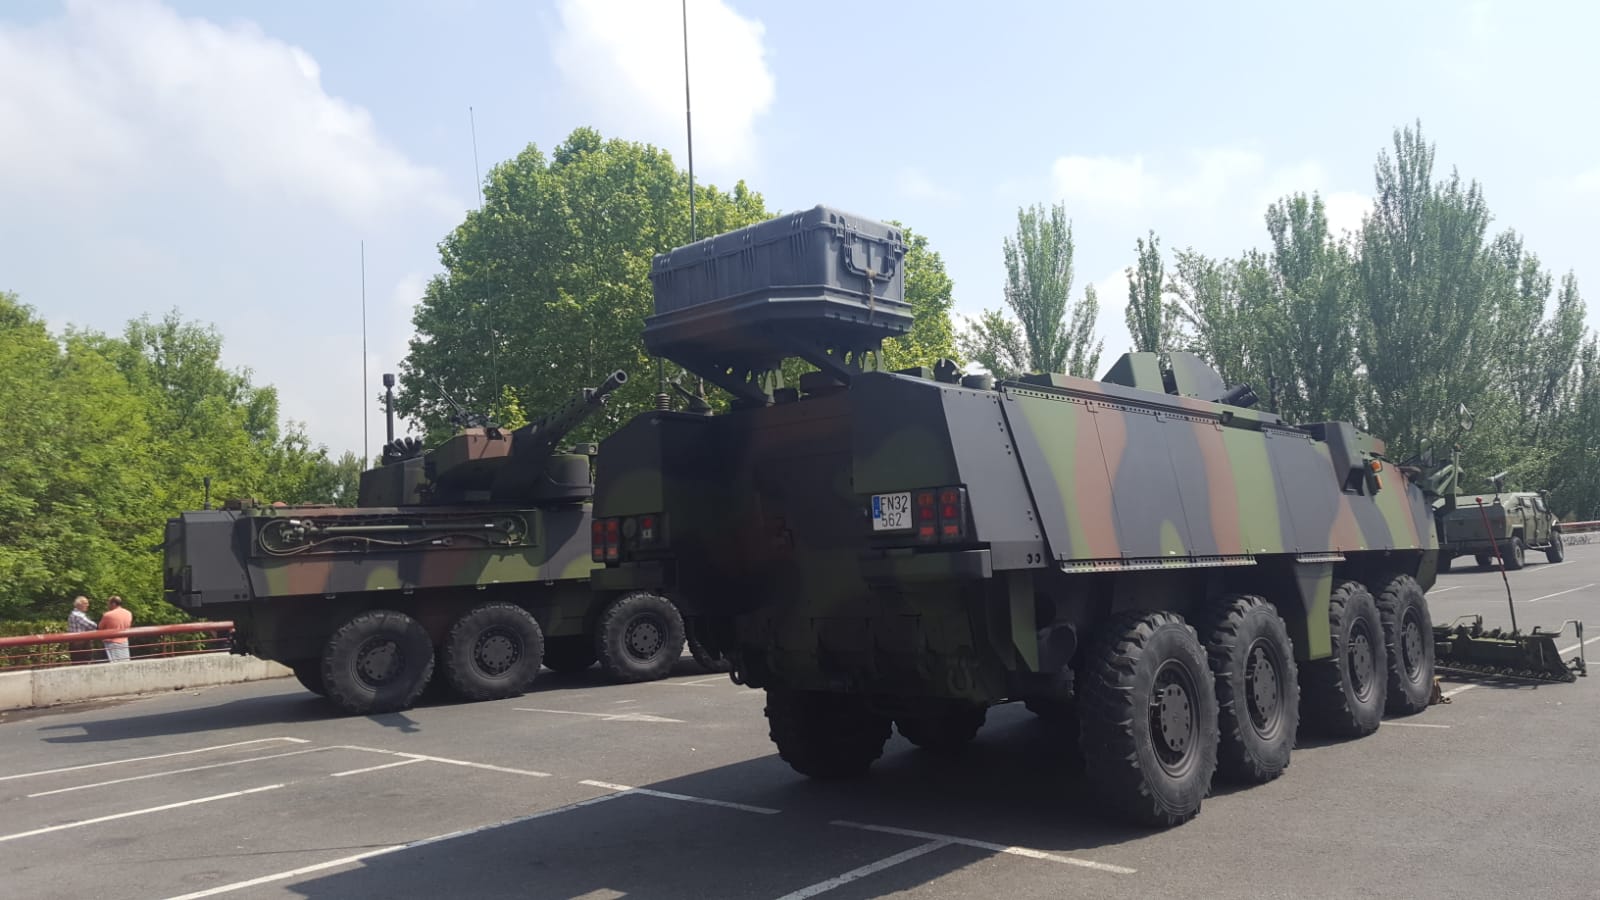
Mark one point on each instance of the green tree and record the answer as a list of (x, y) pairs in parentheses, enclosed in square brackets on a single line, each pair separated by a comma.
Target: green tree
[(546, 288), (1050, 333), (1154, 321), (931, 294)]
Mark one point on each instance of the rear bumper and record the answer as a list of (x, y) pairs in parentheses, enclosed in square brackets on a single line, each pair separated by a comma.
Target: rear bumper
[(641, 576), (951, 565)]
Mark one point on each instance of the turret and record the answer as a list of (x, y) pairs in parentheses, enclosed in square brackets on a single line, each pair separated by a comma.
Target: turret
[(488, 464)]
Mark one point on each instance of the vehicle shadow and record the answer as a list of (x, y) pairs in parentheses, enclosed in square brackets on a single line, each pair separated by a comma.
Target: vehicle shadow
[(1009, 788), (289, 707)]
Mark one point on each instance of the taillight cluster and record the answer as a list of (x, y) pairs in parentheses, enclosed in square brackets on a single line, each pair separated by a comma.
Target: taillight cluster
[(608, 536), (940, 515)]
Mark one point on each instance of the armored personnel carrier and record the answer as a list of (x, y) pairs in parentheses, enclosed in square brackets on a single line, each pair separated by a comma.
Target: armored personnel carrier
[(1185, 576), (470, 561)]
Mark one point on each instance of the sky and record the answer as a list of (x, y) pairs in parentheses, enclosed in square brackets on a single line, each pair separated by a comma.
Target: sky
[(257, 167)]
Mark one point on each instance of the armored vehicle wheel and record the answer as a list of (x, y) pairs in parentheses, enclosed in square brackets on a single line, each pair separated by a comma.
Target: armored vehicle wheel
[(1343, 695), (309, 673), (493, 651), (639, 638), (1408, 640), (568, 655), (378, 662), (1485, 560), (1148, 718), (945, 731), (825, 735), (1258, 689), (1518, 557), (708, 660), (1557, 551)]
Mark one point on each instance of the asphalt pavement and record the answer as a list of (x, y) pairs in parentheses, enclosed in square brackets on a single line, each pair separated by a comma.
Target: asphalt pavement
[(581, 789)]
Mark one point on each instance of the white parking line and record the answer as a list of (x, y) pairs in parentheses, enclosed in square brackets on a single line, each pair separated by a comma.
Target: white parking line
[(1415, 725), (609, 717), (1563, 651), (221, 765), (447, 761), (134, 759), (1559, 593), (403, 762), (1454, 587), (392, 848), (1028, 852), (137, 812), (705, 801), (862, 872)]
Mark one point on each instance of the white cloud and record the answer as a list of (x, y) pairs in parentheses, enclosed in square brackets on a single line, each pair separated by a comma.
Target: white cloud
[(1346, 210), (1588, 181), (625, 60), (916, 184), (131, 95)]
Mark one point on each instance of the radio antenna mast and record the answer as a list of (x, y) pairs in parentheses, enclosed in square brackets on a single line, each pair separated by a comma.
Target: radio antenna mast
[(365, 443)]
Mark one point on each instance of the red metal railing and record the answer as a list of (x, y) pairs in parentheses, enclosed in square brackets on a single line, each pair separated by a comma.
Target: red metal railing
[(41, 651)]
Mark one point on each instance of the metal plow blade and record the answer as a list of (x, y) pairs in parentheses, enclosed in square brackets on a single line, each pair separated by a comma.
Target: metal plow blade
[(1507, 654)]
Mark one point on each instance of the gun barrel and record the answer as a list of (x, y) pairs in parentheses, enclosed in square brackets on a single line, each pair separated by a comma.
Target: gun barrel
[(613, 381)]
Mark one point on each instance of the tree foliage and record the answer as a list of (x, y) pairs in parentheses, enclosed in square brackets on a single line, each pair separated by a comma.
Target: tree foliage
[(1050, 333), (106, 437), (1154, 321)]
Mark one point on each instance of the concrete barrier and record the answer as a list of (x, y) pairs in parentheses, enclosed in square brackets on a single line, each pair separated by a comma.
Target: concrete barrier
[(68, 684)]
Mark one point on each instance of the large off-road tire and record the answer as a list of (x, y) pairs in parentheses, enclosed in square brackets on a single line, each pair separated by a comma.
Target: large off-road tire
[(1343, 695), (822, 735), (1148, 718), (1518, 557), (946, 731), (1408, 642), (1557, 551), (703, 656), (569, 655), (1258, 688), (377, 662), (639, 638), (309, 673), (493, 651)]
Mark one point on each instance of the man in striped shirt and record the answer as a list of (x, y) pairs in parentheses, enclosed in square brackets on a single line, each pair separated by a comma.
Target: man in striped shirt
[(78, 621)]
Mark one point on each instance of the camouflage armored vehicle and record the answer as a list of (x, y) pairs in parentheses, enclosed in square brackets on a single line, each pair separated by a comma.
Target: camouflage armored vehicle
[(1182, 574), (469, 561), (1508, 522)]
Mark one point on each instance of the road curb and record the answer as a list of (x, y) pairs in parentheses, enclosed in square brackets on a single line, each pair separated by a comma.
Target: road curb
[(98, 681)]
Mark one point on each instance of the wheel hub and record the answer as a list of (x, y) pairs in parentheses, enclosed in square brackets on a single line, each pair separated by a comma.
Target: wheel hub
[(1411, 646), (496, 651), (1172, 718), (1262, 689), (644, 638), (1362, 664), (378, 661)]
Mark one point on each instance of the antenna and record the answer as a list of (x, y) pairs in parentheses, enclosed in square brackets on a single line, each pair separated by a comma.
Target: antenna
[(365, 444), (688, 119), (472, 120)]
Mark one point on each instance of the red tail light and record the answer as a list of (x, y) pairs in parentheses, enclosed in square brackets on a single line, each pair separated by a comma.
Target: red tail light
[(925, 508), (613, 539), (597, 540), (952, 515)]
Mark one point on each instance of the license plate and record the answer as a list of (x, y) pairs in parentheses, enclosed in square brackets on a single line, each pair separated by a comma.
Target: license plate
[(891, 512)]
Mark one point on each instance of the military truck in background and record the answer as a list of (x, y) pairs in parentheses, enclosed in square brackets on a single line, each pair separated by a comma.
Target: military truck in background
[(1509, 523), (1182, 574), (469, 561)]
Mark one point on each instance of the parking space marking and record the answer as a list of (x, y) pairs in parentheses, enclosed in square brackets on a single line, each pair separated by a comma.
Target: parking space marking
[(1028, 852), (862, 872), (686, 798), (1453, 587), (1559, 593), (403, 762), (1415, 725), (136, 812), (610, 717), (134, 759), (1563, 651), (392, 848), (220, 765), (448, 761)]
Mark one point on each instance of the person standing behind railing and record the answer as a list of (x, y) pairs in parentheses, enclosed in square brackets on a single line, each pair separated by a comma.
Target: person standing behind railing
[(117, 618), (78, 620)]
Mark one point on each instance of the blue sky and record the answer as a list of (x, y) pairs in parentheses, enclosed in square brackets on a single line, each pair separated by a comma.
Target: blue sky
[(227, 159)]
